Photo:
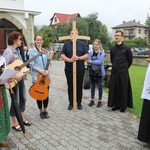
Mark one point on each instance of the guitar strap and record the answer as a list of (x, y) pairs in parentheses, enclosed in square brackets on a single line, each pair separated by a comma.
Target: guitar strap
[(18, 53), (41, 56)]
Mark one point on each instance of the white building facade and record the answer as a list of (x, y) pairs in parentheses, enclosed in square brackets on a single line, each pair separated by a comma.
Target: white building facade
[(14, 17)]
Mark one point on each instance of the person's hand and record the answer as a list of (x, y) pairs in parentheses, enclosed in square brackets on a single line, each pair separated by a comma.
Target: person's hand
[(74, 58), (89, 61), (18, 77), (10, 80), (51, 54), (44, 72)]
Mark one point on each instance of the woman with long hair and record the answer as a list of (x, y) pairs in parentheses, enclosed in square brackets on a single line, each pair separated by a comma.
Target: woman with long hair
[(96, 58), (38, 67)]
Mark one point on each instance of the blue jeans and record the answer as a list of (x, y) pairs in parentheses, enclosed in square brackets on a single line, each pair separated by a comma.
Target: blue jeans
[(100, 89), (20, 97)]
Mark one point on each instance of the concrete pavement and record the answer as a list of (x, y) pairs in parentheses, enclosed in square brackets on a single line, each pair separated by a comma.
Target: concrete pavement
[(88, 129)]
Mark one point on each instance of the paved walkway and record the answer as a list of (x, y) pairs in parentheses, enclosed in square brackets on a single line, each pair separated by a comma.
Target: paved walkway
[(88, 129)]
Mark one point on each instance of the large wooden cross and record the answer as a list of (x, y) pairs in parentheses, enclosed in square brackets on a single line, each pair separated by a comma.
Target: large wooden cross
[(74, 37)]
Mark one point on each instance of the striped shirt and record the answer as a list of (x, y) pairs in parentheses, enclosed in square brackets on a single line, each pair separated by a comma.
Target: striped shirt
[(11, 54)]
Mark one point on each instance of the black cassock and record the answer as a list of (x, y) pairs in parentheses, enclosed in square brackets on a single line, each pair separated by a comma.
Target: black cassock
[(120, 92), (144, 126)]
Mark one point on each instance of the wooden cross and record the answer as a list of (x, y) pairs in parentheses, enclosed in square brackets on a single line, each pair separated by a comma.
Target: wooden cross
[(74, 37)]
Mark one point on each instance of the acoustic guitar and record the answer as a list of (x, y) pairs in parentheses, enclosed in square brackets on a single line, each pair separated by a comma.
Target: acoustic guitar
[(19, 66), (39, 90)]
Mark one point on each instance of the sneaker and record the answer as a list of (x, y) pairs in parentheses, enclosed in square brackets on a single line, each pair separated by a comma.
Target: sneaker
[(79, 106), (91, 103), (99, 104), (42, 116), (46, 114), (70, 107)]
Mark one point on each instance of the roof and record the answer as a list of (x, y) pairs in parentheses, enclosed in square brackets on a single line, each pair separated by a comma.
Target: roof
[(65, 18), (19, 11), (130, 24)]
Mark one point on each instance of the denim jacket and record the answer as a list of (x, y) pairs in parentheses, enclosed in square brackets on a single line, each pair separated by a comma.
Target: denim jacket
[(39, 62), (98, 61)]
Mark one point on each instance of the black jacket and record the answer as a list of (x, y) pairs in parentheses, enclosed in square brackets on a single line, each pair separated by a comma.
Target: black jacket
[(121, 59)]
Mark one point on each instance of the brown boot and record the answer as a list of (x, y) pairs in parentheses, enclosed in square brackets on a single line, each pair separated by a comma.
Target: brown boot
[(4, 144)]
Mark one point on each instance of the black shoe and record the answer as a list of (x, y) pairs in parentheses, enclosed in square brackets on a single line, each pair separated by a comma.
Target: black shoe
[(122, 110), (70, 107), (79, 106), (91, 103), (115, 108), (99, 104), (46, 114), (42, 116)]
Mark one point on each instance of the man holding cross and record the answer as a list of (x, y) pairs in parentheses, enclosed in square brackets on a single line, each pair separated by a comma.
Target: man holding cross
[(69, 58)]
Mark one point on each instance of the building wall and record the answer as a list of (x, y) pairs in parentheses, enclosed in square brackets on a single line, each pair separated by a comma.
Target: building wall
[(53, 21), (137, 60), (26, 25), (15, 4)]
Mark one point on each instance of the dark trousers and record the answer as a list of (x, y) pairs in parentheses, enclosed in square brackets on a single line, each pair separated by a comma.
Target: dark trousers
[(69, 77), (44, 102), (20, 97)]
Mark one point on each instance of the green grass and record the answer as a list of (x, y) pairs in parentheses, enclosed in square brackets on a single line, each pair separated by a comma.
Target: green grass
[(137, 76)]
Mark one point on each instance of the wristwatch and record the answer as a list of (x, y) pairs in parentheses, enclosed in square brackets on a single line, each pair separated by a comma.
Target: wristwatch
[(79, 58)]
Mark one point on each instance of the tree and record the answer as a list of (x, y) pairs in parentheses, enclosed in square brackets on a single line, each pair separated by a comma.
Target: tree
[(47, 32), (97, 30), (89, 26), (35, 30), (138, 42), (148, 21)]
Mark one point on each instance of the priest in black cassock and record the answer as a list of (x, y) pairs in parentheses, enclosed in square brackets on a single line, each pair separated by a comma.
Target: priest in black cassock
[(120, 92)]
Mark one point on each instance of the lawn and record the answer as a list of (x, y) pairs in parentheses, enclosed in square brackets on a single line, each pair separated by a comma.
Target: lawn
[(137, 76)]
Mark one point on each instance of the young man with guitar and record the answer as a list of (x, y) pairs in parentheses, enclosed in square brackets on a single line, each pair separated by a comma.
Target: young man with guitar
[(11, 54), (41, 73)]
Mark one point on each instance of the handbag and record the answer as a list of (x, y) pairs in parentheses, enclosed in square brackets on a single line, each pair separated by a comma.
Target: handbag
[(95, 72)]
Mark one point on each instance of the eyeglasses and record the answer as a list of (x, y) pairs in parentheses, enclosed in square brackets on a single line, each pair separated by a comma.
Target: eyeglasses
[(39, 40), (117, 35)]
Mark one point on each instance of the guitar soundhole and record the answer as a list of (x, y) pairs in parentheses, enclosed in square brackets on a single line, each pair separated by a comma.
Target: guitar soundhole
[(17, 68), (39, 92)]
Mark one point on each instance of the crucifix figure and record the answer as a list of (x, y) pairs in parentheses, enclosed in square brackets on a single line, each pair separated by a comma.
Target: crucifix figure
[(75, 52)]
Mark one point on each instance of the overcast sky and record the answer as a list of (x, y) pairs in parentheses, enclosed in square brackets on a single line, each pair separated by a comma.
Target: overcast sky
[(111, 12)]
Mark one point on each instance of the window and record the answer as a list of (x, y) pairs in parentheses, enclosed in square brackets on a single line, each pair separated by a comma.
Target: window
[(139, 31), (55, 20), (131, 31), (125, 31), (145, 31)]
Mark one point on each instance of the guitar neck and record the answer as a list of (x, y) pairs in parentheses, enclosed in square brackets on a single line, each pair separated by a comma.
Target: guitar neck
[(47, 65), (27, 62)]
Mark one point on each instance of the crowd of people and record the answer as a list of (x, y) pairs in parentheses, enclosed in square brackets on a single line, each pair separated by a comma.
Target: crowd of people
[(120, 91)]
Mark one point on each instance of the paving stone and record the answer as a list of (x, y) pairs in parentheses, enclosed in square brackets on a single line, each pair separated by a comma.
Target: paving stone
[(88, 129)]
